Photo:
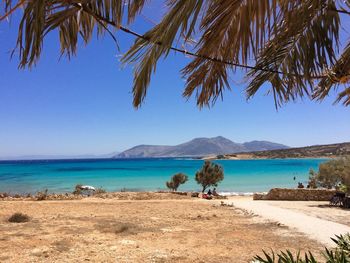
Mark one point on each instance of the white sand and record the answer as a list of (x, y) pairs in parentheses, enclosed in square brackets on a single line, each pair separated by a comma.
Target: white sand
[(314, 227)]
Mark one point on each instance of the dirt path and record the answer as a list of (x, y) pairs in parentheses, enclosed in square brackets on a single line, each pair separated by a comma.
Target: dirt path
[(311, 225)]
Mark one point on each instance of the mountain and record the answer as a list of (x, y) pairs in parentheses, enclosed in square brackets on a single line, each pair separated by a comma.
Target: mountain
[(142, 151), (198, 147), (56, 157), (254, 146)]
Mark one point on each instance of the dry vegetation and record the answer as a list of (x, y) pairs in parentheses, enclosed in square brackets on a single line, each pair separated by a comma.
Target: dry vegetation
[(317, 151), (111, 230), (19, 218)]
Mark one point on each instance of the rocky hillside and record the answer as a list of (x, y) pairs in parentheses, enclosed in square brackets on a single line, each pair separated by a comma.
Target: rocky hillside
[(316, 151), (198, 147)]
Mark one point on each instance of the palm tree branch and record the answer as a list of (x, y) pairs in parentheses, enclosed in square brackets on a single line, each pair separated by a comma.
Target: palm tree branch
[(337, 75), (231, 29), (300, 49), (290, 77)]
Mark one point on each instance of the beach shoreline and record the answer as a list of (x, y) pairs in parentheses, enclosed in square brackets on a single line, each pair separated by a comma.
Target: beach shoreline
[(118, 195), (245, 176)]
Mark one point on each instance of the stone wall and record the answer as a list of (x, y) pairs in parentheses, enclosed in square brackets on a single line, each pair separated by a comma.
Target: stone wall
[(296, 194)]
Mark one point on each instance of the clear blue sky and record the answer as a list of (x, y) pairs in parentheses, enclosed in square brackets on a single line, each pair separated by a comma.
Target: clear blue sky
[(84, 106)]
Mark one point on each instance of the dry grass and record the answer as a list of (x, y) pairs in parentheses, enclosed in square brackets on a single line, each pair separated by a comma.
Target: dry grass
[(40, 196), (19, 218), (110, 230), (117, 227), (100, 190)]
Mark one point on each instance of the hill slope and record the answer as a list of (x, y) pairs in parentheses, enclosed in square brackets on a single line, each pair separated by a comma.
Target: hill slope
[(198, 147), (316, 151)]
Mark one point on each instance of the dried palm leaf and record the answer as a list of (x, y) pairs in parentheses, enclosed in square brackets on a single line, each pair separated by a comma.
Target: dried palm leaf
[(302, 48), (294, 44), (337, 75)]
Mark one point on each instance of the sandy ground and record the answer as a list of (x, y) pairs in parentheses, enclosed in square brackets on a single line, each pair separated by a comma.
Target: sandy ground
[(320, 210), (111, 230), (317, 220)]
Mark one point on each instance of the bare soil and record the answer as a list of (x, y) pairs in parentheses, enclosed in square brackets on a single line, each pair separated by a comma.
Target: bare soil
[(112, 230)]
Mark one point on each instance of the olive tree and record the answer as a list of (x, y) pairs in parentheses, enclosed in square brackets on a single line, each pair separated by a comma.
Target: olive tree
[(176, 181), (210, 175), (332, 173)]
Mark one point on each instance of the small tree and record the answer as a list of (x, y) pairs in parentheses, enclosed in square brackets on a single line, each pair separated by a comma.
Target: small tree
[(312, 179), (210, 175), (333, 173), (176, 180)]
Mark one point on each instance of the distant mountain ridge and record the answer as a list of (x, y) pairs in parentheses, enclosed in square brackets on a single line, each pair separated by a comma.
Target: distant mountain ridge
[(57, 157), (199, 147)]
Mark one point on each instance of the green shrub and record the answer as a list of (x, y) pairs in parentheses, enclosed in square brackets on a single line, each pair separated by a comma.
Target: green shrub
[(343, 188), (19, 218), (331, 174), (176, 181), (4, 195), (210, 175), (341, 254), (343, 243)]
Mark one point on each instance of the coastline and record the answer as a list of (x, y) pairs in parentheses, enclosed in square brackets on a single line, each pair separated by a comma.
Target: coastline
[(241, 176), (121, 195)]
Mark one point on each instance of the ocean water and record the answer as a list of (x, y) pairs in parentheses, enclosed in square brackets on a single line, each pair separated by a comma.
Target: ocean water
[(241, 176)]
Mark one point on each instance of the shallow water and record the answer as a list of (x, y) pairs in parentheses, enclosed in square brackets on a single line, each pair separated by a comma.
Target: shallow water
[(241, 176)]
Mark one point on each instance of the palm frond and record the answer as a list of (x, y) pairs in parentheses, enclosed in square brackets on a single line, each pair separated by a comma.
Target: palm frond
[(208, 80), (157, 42), (73, 20), (339, 74), (134, 8), (232, 31), (294, 44), (30, 32), (302, 47)]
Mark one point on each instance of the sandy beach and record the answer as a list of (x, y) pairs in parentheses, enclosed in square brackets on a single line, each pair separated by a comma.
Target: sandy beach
[(145, 228)]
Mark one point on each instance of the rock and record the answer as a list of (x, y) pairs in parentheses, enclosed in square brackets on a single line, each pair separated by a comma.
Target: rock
[(296, 194), (127, 242)]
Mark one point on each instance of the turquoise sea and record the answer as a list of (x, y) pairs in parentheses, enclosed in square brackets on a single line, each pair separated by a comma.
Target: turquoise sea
[(241, 176)]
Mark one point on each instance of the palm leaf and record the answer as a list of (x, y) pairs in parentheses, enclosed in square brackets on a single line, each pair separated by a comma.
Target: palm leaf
[(300, 51), (157, 42), (232, 31), (294, 44), (74, 20), (337, 75)]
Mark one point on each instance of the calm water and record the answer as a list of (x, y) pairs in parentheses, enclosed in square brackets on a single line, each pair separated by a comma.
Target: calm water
[(148, 174)]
